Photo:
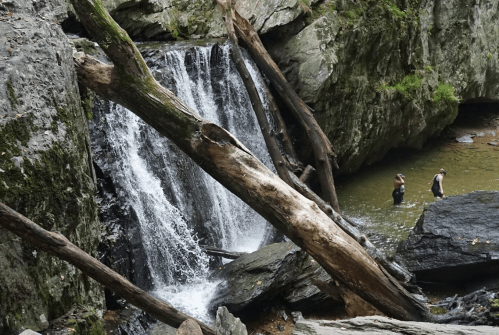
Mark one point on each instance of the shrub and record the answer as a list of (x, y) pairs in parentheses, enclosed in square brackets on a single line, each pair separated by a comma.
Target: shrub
[(409, 84), (445, 92)]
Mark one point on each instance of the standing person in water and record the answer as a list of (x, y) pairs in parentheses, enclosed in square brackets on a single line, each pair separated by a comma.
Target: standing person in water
[(398, 188), (436, 188)]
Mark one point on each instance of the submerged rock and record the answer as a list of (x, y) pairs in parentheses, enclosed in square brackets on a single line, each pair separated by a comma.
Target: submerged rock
[(455, 240), (377, 325), (464, 139), (279, 273)]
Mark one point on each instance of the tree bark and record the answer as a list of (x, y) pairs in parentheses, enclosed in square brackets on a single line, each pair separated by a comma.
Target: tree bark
[(256, 102), (323, 150), (221, 155), (58, 245), (392, 268)]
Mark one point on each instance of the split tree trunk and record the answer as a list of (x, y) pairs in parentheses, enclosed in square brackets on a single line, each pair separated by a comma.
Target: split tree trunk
[(60, 246), (130, 84), (323, 150)]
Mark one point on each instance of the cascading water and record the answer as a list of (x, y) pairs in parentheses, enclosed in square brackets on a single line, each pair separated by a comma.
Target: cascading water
[(175, 202)]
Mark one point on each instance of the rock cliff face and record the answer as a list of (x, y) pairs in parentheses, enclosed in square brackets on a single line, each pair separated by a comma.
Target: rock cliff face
[(379, 74), (45, 169)]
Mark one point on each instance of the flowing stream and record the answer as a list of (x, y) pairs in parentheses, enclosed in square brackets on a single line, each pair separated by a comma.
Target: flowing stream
[(179, 206)]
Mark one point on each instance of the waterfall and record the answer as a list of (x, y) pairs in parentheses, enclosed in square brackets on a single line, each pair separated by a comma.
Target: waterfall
[(178, 206)]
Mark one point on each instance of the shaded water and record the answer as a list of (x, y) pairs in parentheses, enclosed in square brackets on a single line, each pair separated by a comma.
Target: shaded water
[(366, 197)]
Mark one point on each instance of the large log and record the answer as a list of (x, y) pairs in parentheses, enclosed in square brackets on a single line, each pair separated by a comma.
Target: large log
[(221, 155), (58, 245), (322, 148), (256, 102)]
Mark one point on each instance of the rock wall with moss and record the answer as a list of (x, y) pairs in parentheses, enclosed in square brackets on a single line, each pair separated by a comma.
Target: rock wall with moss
[(387, 74), (379, 74), (45, 166)]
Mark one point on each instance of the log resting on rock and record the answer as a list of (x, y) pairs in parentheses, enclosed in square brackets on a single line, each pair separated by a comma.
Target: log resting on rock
[(130, 84), (58, 245)]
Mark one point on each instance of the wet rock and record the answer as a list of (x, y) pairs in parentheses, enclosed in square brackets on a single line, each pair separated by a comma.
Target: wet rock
[(455, 240), (277, 273), (297, 316), (377, 325), (464, 139), (495, 144), (227, 324)]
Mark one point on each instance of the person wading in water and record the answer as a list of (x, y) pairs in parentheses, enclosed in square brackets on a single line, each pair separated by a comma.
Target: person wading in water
[(437, 188), (399, 188)]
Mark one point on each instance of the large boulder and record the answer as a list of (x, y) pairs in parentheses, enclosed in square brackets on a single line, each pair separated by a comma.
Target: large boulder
[(455, 240), (374, 325), (45, 166), (180, 19), (382, 75), (278, 274)]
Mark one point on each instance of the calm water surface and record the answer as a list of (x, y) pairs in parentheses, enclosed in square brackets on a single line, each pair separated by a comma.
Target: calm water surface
[(366, 197)]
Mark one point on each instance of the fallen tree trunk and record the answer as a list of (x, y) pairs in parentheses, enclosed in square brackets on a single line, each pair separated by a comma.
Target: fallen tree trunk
[(58, 245), (257, 104), (323, 150), (221, 155), (394, 269)]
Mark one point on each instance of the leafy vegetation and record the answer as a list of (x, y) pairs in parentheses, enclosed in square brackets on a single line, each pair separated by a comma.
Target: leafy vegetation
[(408, 85), (445, 92)]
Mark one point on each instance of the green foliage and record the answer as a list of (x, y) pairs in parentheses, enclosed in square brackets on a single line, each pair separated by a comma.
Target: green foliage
[(489, 56), (428, 69), (445, 92), (383, 87), (408, 85), (396, 11)]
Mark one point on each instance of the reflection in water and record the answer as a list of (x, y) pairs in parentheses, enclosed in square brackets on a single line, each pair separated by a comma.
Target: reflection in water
[(367, 197)]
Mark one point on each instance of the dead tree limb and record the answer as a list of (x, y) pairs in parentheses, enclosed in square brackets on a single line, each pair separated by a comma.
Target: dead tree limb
[(212, 251), (59, 246), (256, 102), (307, 173), (221, 155), (323, 150)]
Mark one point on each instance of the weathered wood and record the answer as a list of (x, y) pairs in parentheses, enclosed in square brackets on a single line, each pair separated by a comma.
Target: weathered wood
[(307, 173), (256, 102), (227, 160), (212, 251), (402, 274), (323, 150), (189, 327), (58, 245)]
